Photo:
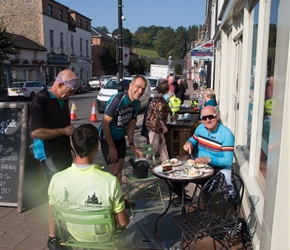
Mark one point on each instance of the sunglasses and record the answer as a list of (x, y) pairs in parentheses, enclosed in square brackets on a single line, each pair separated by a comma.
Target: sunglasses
[(210, 117), (72, 84)]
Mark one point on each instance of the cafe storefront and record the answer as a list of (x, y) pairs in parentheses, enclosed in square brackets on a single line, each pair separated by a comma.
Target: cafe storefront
[(251, 77), (55, 64)]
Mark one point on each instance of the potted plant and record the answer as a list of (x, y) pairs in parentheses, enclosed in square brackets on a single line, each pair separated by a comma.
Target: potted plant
[(35, 61), (25, 61)]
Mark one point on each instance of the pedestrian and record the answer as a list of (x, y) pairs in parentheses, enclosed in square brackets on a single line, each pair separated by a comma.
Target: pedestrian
[(49, 124), (85, 185), (158, 112), (120, 117), (209, 98), (144, 130), (172, 86), (195, 84), (181, 90), (215, 143)]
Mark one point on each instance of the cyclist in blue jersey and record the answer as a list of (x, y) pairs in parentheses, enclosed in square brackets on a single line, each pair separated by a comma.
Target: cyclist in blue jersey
[(120, 117), (215, 143)]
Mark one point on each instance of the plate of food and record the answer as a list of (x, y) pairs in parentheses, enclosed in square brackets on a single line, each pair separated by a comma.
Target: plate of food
[(193, 172), (175, 162), (200, 165), (164, 169)]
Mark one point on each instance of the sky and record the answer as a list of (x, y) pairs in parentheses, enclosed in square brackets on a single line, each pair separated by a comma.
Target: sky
[(165, 13)]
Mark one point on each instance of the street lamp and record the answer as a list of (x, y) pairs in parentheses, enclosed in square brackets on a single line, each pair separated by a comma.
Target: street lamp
[(121, 17)]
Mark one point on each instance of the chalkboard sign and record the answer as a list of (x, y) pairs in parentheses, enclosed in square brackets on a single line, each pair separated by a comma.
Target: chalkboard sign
[(13, 137)]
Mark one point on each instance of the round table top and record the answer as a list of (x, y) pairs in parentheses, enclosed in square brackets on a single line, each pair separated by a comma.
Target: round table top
[(179, 173)]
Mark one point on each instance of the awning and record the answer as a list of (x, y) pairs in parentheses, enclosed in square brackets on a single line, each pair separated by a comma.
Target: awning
[(209, 45), (203, 52)]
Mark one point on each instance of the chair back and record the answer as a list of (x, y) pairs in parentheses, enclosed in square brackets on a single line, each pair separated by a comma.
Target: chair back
[(221, 203), (100, 220)]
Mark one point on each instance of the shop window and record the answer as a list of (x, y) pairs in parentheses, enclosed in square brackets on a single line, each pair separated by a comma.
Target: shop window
[(253, 72), (269, 84), (269, 87)]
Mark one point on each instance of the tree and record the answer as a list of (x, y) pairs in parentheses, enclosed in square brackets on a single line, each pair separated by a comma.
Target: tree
[(103, 28), (126, 36), (178, 69), (179, 50), (108, 60), (165, 42), (137, 66), (6, 46)]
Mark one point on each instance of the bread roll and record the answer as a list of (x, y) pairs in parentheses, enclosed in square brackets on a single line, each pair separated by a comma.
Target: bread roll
[(174, 160), (190, 161)]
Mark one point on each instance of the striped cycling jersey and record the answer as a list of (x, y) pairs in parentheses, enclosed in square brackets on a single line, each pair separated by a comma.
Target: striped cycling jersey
[(218, 145)]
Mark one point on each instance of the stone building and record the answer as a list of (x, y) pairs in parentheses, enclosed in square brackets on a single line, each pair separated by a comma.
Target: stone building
[(64, 33)]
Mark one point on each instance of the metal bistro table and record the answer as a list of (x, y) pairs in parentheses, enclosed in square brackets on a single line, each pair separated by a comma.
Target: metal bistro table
[(178, 133), (178, 174)]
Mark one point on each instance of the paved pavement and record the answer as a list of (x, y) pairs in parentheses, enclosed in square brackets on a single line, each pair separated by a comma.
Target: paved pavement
[(28, 230)]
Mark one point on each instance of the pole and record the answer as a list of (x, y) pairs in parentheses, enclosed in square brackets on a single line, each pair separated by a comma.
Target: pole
[(120, 49)]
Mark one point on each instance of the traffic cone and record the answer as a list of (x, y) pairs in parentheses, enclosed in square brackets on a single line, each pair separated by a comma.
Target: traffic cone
[(73, 116), (93, 117)]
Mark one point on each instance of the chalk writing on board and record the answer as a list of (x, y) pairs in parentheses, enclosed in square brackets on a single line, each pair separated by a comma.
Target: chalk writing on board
[(4, 125)]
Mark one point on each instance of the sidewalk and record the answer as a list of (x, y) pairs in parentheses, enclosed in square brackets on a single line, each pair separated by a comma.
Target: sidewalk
[(28, 230)]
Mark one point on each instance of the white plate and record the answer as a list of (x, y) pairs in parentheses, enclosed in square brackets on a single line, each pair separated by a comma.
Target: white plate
[(191, 176), (176, 164), (160, 170)]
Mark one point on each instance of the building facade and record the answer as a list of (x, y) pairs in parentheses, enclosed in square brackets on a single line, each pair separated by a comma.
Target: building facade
[(251, 82), (64, 33)]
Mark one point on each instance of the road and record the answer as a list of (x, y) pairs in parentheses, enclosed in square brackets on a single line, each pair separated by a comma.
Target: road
[(83, 102)]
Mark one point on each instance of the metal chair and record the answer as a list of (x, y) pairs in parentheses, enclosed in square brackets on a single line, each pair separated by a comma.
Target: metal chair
[(217, 214), (149, 186), (100, 219)]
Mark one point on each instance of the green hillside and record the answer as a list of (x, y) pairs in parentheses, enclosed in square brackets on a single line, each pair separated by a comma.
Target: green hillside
[(146, 52)]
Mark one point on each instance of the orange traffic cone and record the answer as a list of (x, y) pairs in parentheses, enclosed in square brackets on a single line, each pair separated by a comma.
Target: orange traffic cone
[(73, 116), (93, 117)]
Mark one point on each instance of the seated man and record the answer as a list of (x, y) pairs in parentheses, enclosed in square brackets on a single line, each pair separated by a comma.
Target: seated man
[(83, 184), (215, 144)]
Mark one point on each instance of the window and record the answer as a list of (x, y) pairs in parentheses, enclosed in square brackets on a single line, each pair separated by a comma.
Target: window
[(266, 96), (81, 47), (51, 41), (61, 42), (50, 12), (72, 45), (86, 25), (80, 22), (269, 86), (60, 16), (253, 67), (87, 48)]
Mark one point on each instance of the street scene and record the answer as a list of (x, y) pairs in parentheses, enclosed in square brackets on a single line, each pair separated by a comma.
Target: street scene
[(127, 125)]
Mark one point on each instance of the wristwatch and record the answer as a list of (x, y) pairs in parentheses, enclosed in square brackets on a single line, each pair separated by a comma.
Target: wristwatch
[(131, 143)]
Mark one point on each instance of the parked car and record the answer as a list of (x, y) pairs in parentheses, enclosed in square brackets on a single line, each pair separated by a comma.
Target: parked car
[(95, 83), (154, 81), (111, 88), (24, 89), (83, 88), (104, 79)]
